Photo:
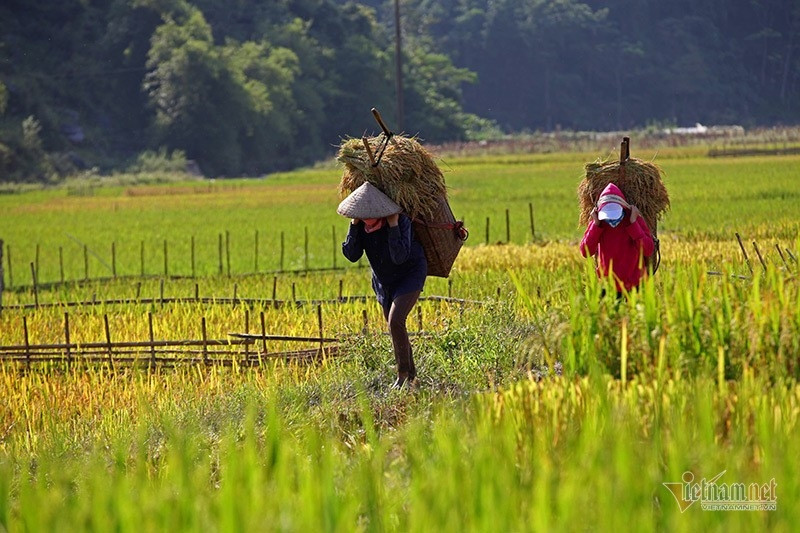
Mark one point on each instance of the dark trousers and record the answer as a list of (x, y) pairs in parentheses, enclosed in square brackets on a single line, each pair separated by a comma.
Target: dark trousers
[(396, 315)]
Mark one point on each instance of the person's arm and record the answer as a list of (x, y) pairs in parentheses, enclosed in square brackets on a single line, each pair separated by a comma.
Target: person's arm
[(352, 247), (591, 239), (640, 233), (399, 238)]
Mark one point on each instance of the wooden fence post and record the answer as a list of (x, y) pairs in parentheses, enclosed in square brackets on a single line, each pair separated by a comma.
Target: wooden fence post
[(114, 259), (263, 334), (27, 341), (66, 339), (35, 287), (205, 338), (141, 259), (533, 227), (166, 259), (10, 272), (36, 260), (192, 257), (758, 253), (487, 230), (108, 340), (61, 263), (744, 253), (508, 227), (85, 262), (219, 246), (247, 330), (152, 340), (321, 329)]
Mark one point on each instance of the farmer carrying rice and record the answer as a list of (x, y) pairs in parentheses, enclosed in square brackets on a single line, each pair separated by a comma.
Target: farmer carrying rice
[(380, 229), (619, 236)]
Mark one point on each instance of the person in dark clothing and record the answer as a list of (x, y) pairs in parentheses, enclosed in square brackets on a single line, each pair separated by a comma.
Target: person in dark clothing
[(399, 268)]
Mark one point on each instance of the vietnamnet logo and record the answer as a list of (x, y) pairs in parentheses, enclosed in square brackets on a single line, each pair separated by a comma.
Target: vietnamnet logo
[(715, 496)]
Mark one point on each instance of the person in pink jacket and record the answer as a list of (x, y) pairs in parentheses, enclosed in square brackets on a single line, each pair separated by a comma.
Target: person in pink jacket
[(619, 236)]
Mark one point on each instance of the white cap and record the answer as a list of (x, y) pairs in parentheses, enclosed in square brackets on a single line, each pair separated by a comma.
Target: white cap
[(610, 211)]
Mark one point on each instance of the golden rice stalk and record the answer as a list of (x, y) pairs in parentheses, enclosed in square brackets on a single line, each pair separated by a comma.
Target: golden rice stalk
[(641, 184), (407, 173)]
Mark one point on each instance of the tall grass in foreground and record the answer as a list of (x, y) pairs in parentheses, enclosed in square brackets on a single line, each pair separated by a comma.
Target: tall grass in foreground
[(560, 454)]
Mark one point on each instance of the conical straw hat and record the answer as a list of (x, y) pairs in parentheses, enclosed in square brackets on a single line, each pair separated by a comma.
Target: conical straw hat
[(367, 201)]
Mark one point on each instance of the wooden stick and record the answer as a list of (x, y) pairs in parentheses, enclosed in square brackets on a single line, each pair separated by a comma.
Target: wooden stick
[(263, 334), (369, 150), (758, 253), (152, 339), (508, 227), (247, 330), (27, 341), (60, 263), (220, 253), (487, 230), (791, 255), (66, 338), (319, 322), (205, 339), (274, 288), (744, 253), (36, 260), (780, 253), (35, 288), (141, 259), (365, 319), (85, 262), (192, 257), (10, 272), (166, 259), (108, 340), (533, 227)]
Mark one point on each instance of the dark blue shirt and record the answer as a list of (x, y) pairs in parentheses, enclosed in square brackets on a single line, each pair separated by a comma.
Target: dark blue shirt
[(396, 257)]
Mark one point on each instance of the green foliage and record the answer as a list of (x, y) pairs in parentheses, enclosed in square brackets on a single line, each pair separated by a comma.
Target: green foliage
[(159, 161)]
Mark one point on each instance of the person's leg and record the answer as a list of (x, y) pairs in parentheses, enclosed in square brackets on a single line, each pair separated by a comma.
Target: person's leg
[(401, 307)]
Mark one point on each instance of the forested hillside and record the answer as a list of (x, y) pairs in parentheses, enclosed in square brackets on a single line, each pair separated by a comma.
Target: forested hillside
[(246, 87)]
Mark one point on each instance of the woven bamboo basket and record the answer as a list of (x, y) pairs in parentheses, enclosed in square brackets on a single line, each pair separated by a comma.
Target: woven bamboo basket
[(442, 237)]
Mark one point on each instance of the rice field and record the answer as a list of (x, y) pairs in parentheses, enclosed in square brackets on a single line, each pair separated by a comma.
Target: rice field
[(540, 405)]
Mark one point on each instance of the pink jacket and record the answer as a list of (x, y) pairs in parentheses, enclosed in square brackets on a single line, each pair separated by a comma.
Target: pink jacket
[(621, 250)]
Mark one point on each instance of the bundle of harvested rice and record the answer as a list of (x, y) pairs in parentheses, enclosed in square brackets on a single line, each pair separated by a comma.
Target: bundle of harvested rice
[(640, 182), (406, 173)]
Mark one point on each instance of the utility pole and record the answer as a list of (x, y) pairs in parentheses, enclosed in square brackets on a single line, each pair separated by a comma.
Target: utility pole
[(398, 65)]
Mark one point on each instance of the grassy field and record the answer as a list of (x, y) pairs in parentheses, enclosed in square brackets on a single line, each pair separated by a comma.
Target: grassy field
[(540, 405)]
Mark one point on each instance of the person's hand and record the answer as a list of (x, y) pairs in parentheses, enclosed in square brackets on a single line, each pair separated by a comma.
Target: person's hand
[(635, 213), (392, 219), (355, 221), (593, 216)]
